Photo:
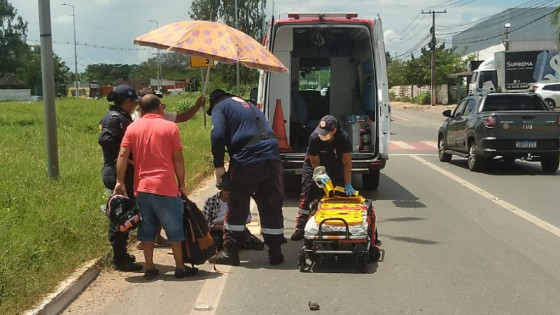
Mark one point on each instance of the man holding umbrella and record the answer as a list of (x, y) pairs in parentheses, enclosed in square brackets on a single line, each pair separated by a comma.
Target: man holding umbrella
[(255, 170)]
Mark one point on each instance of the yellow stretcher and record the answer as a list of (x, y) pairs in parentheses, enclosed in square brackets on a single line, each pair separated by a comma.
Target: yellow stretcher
[(340, 225)]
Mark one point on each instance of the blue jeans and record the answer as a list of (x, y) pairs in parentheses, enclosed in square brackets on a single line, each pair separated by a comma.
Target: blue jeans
[(156, 210)]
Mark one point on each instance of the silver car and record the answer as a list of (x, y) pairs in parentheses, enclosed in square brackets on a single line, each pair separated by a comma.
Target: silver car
[(549, 91)]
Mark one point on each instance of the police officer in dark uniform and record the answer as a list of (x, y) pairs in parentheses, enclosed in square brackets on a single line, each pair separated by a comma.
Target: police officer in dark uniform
[(255, 170), (329, 146), (112, 128)]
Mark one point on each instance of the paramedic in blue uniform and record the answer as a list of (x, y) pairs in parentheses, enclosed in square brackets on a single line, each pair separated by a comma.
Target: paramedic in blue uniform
[(329, 146), (255, 170), (112, 128)]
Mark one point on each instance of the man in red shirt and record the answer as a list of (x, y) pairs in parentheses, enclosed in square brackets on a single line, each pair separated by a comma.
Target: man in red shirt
[(159, 181)]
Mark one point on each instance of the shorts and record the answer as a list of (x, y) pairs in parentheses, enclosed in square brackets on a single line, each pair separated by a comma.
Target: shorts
[(156, 210)]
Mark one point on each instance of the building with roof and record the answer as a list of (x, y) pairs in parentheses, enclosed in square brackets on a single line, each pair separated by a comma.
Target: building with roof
[(523, 29)]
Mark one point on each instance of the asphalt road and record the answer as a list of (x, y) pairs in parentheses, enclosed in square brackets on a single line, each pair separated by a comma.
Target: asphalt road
[(455, 242)]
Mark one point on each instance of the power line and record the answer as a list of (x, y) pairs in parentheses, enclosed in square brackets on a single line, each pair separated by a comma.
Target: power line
[(522, 14), (477, 40), (531, 5), (94, 46), (416, 47)]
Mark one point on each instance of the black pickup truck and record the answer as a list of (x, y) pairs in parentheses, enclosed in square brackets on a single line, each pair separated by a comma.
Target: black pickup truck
[(507, 126)]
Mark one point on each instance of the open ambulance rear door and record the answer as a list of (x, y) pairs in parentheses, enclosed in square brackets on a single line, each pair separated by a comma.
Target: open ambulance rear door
[(384, 126)]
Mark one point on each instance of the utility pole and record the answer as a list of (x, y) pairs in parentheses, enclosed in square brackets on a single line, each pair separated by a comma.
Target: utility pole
[(506, 35), (433, 48), (47, 72), (158, 63), (75, 50)]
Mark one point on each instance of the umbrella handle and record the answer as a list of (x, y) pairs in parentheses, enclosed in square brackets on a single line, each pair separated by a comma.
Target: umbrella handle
[(206, 80), (204, 92)]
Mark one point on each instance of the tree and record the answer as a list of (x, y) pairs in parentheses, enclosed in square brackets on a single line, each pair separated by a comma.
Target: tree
[(30, 71), (250, 20), (417, 71), (206, 10), (13, 34), (174, 66), (106, 74), (396, 72)]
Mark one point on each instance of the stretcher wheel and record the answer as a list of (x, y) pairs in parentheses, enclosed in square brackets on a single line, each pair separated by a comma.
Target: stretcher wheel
[(374, 254)]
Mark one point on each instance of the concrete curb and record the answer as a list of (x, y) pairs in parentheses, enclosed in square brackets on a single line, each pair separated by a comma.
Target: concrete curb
[(68, 290)]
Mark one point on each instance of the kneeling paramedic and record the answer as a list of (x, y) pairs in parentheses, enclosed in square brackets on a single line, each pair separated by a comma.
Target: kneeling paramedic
[(329, 146), (255, 170)]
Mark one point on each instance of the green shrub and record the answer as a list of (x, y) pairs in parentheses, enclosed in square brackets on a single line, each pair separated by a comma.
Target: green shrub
[(422, 99)]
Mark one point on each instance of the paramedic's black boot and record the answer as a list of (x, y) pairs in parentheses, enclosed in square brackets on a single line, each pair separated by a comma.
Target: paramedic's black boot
[(298, 235), (122, 260), (275, 255), (227, 256), (130, 257), (301, 221), (127, 266)]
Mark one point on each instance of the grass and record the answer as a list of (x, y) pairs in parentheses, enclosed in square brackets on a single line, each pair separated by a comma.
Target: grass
[(50, 227)]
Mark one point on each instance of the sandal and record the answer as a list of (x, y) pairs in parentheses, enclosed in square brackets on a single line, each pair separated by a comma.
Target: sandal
[(151, 273), (186, 272)]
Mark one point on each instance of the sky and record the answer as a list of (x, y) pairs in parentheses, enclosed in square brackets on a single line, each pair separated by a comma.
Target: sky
[(105, 29)]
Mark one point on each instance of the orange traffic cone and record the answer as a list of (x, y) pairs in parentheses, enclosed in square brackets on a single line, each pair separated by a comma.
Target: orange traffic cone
[(280, 129)]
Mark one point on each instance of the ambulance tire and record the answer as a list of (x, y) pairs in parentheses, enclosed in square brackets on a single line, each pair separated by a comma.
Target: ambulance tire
[(371, 181)]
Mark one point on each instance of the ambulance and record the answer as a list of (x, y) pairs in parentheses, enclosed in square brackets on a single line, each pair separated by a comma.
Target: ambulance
[(337, 66)]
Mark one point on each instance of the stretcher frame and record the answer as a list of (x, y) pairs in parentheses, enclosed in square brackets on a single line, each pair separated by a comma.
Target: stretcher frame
[(364, 248)]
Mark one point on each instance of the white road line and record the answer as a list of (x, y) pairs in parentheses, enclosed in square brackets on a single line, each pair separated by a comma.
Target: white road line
[(432, 144), (507, 206), (211, 292), (402, 145)]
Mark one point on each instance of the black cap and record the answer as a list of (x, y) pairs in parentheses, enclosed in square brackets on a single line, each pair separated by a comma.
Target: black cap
[(215, 96), (326, 125), (126, 92)]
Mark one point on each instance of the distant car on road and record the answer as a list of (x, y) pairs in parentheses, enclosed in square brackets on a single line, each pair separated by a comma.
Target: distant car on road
[(508, 126), (549, 91)]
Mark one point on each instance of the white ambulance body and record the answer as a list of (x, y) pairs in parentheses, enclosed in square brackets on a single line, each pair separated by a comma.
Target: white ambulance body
[(337, 66)]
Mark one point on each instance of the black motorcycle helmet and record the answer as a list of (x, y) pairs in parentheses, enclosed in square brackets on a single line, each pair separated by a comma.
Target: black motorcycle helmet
[(123, 213)]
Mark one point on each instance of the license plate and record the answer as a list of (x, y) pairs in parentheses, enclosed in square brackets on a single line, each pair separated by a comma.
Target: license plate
[(526, 144)]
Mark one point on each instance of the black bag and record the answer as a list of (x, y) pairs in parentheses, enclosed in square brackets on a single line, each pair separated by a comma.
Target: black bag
[(199, 244)]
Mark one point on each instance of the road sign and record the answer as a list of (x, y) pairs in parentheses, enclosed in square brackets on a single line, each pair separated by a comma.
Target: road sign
[(197, 62)]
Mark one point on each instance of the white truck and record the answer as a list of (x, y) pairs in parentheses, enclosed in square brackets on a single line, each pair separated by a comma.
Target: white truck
[(513, 71), (337, 66)]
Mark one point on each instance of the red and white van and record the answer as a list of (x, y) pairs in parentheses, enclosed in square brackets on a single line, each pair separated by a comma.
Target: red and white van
[(336, 64)]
